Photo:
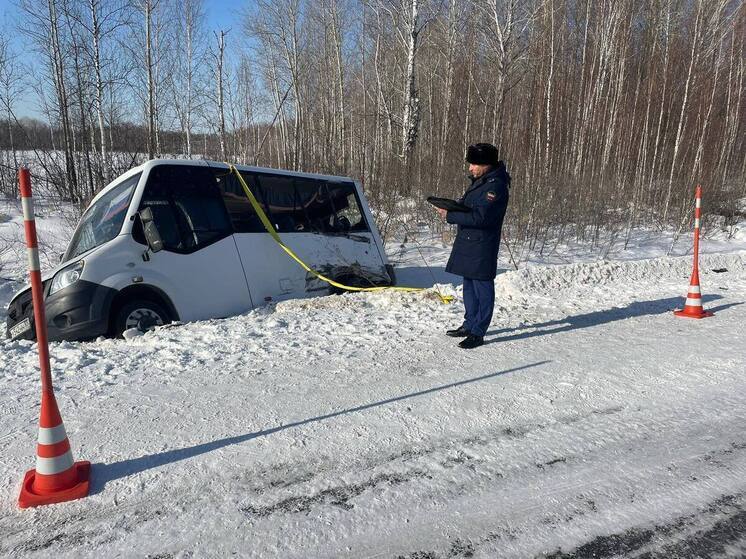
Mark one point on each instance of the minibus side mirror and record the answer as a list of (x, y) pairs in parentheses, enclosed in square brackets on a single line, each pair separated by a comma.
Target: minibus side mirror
[(153, 238)]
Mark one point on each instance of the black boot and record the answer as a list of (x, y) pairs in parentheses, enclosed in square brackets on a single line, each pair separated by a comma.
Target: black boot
[(471, 342), (459, 332)]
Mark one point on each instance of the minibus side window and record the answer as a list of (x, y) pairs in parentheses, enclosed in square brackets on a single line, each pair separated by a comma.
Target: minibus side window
[(242, 214), (348, 213), (286, 203), (187, 207), (292, 204), (317, 205)]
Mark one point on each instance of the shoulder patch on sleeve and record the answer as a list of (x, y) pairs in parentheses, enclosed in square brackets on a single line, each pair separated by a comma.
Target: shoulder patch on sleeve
[(491, 196)]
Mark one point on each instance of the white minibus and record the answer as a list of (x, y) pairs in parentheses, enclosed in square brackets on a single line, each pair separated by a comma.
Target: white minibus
[(175, 240)]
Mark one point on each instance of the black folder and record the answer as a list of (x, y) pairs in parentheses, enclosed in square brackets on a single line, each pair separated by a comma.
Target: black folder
[(448, 204)]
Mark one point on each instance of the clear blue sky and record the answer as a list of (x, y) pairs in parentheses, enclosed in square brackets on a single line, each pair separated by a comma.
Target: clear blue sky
[(220, 14), (224, 14)]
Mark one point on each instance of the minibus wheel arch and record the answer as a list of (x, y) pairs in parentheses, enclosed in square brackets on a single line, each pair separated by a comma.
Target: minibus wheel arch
[(140, 292)]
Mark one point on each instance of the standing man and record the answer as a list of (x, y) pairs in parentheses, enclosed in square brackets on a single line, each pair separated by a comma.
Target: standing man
[(474, 254)]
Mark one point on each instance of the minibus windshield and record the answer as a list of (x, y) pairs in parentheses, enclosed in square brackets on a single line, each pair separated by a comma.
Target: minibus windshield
[(103, 220)]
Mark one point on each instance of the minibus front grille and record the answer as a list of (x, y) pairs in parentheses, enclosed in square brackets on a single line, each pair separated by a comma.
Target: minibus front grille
[(19, 309), (21, 305)]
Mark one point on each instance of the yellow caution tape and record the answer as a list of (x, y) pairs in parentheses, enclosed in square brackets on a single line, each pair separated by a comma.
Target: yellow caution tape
[(273, 233)]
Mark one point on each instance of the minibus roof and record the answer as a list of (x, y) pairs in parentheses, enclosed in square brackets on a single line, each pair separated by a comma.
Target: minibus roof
[(251, 168)]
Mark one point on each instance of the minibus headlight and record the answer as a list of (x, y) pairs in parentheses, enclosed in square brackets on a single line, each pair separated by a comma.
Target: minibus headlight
[(67, 276)]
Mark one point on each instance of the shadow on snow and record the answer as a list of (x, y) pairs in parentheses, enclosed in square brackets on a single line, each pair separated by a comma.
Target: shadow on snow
[(595, 318), (104, 473)]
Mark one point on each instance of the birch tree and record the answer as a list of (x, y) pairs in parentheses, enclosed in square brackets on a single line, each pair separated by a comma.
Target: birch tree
[(186, 85), (10, 92), (411, 113)]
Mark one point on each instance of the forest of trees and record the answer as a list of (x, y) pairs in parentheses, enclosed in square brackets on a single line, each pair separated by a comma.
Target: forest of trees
[(607, 113)]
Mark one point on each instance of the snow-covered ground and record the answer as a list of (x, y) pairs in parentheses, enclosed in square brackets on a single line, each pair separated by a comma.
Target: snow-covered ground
[(593, 423)]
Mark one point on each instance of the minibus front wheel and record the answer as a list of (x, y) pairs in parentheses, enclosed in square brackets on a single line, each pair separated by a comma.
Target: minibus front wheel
[(141, 314)]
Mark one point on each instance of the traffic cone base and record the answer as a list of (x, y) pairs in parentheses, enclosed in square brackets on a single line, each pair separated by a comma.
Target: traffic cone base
[(33, 498), (695, 313), (693, 305)]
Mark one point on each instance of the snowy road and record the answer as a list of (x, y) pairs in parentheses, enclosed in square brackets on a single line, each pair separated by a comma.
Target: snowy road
[(593, 424)]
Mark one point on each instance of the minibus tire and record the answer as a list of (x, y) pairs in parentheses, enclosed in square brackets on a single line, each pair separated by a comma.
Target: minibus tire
[(153, 314)]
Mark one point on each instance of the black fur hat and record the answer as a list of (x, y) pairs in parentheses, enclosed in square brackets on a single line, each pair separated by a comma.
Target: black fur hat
[(482, 154)]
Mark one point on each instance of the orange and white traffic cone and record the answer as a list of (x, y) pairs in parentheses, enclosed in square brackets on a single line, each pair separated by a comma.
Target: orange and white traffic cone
[(693, 306), (56, 477)]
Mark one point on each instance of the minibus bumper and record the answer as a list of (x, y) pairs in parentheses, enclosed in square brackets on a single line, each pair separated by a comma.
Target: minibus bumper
[(77, 312)]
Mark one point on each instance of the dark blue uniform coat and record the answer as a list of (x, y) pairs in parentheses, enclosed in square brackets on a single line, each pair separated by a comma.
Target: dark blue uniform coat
[(475, 249)]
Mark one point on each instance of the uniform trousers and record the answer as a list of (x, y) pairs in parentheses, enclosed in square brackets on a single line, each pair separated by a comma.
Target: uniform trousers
[(479, 302)]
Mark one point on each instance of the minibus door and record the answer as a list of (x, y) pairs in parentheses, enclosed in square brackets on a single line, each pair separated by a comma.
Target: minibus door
[(270, 272), (199, 266)]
